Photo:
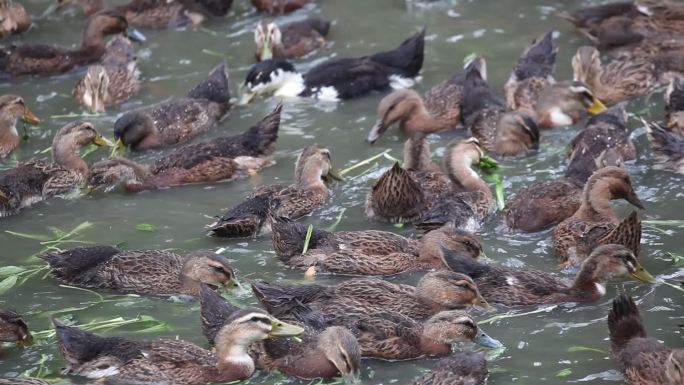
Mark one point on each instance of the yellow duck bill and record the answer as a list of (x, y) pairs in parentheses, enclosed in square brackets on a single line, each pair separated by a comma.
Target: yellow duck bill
[(283, 329), (596, 107)]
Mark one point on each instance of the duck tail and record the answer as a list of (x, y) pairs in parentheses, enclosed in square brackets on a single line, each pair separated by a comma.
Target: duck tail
[(77, 265), (262, 137), (244, 220), (624, 323), (397, 196), (666, 145), (538, 60), (214, 311), (321, 26), (407, 59), (77, 345), (216, 87), (476, 64), (281, 300), (288, 237)]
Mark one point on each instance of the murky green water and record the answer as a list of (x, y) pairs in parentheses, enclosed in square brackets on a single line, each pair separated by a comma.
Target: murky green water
[(172, 61)]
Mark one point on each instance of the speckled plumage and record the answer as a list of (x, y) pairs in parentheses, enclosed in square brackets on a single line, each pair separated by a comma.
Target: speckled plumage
[(459, 369), (13, 328), (532, 73), (279, 7)]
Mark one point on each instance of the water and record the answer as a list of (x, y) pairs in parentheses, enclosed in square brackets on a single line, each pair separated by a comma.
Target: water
[(172, 61)]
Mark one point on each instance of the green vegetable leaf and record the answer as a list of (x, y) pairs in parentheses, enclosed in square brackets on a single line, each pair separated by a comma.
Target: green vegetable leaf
[(145, 227), (7, 283), (564, 373), (11, 270), (309, 232), (35, 237)]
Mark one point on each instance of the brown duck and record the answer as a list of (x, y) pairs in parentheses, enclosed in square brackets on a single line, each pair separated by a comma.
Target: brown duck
[(47, 59), (674, 105), (279, 7), (123, 360), (12, 107), (289, 41), (643, 360), (178, 120), (140, 271), (320, 353), (367, 252), (438, 109), (13, 18), (595, 223), (34, 181), (219, 159), (459, 369), (13, 328), (605, 141), (310, 191), (524, 287)]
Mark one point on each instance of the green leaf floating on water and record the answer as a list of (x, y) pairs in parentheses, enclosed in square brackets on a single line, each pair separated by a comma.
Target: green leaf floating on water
[(309, 232), (145, 227), (564, 373), (574, 349), (7, 283), (11, 270), (490, 167)]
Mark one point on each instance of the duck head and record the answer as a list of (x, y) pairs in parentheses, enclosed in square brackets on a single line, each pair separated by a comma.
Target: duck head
[(341, 348), (516, 132), (105, 23), (270, 76), (267, 36), (12, 327), (450, 238), (562, 103), (71, 137), (586, 64), (12, 108), (132, 128), (607, 262), (450, 327), (314, 167), (448, 290), (209, 268), (96, 84), (397, 107), (614, 181)]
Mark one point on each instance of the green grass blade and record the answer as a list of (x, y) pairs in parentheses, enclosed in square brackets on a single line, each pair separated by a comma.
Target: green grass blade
[(309, 232)]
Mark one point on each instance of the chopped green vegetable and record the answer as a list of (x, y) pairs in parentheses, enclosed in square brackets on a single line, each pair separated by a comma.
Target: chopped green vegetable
[(564, 373), (145, 227), (309, 232)]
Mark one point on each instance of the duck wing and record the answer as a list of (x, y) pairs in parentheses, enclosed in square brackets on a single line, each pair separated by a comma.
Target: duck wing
[(80, 265), (350, 77), (244, 220), (290, 302)]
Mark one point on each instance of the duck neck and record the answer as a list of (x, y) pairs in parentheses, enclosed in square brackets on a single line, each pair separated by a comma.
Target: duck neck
[(234, 362), (93, 40), (461, 173), (9, 136), (430, 347), (589, 284), (420, 120), (596, 202), (311, 179), (417, 155), (64, 154)]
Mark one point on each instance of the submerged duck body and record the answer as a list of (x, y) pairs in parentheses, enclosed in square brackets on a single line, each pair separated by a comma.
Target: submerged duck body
[(339, 79)]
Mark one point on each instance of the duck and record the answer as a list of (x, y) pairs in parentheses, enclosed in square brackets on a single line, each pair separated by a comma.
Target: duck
[(617, 81), (289, 41), (13, 18), (367, 252), (218, 159), (33, 181), (156, 272), (595, 222), (13, 328), (605, 141), (484, 114), (436, 291), (525, 287), (667, 147), (310, 191), (124, 360), (429, 198), (438, 109), (113, 81), (12, 108), (643, 360), (23, 381), (674, 105), (41, 59), (339, 79), (157, 14), (178, 120), (458, 369), (322, 352), (279, 7)]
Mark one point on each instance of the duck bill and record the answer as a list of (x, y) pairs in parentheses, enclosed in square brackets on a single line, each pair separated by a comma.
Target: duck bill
[(332, 174), (103, 142), (634, 199), (643, 275), (483, 339), (135, 35), (30, 118), (282, 329), (596, 107), (246, 97), (119, 149), (353, 377), (264, 53), (376, 132)]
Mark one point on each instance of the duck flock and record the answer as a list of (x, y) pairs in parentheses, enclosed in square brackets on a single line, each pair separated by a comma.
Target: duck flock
[(433, 209)]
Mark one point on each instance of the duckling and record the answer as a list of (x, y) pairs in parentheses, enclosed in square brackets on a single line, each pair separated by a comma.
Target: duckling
[(438, 109), (459, 369), (114, 80), (34, 181), (367, 252), (643, 360), (667, 147), (595, 223), (290, 41), (279, 7), (605, 141), (532, 73), (123, 360), (674, 105), (436, 291), (12, 107), (13, 18), (484, 114), (320, 353), (13, 328), (178, 120), (309, 192), (46, 59), (339, 79), (524, 287), (618, 81), (222, 158), (140, 271)]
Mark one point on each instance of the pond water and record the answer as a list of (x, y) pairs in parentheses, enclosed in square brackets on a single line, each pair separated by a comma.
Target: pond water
[(171, 61)]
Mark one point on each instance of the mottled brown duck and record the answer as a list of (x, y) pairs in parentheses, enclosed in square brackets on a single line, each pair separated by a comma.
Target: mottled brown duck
[(643, 360), (23, 381), (322, 352), (13, 328), (595, 222), (289, 41), (459, 369), (178, 120), (13, 18), (113, 81), (564, 103), (12, 107), (36, 180), (438, 109), (523, 287), (124, 360), (155, 272), (44, 59), (313, 169), (219, 159), (367, 252), (279, 7), (674, 105)]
